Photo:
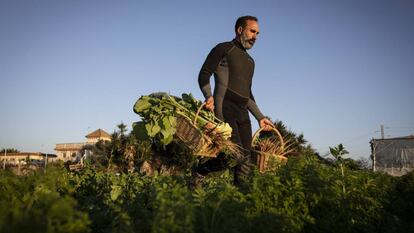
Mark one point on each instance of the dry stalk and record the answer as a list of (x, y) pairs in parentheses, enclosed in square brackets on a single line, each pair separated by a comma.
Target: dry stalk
[(224, 145), (214, 143), (271, 147)]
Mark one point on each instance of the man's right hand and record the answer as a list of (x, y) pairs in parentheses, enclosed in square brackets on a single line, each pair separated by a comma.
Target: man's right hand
[(266, 124), (209, 104)]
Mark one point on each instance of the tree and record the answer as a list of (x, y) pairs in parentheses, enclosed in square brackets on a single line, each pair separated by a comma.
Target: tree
[(296, 143), (9, 150), (118, 154), (338, 152)]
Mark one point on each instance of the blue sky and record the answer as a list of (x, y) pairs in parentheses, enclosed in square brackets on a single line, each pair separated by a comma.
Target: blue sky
[(332, 70)]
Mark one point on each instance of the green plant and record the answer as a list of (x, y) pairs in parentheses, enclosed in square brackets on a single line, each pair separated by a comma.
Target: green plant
[(338, 152), (40, 202), (159, 112), (305, 195)]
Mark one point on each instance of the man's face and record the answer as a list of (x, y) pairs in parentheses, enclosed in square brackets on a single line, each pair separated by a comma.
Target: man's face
[(249, 34)]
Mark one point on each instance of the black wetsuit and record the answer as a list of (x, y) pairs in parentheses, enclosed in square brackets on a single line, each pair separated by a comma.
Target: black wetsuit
[(233, 70)]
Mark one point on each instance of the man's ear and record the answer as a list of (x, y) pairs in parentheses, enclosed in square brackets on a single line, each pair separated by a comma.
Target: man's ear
[(239, 30)]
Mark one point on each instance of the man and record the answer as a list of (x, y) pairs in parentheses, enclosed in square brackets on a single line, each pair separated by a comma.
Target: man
[(233, 72)]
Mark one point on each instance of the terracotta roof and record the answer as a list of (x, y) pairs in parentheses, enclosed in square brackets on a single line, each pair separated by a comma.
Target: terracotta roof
[(99, 133)]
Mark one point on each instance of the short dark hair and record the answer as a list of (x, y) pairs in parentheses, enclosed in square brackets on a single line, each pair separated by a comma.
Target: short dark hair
[(242, 21)]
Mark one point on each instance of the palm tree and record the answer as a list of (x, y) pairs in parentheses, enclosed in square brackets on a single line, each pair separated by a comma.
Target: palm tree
[(296, 143)]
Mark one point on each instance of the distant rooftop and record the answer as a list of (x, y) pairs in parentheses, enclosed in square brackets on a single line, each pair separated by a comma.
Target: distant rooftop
[(99, 133), (410, 137)]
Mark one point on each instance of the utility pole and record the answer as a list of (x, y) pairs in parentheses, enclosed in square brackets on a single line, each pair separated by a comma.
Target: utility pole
[(382, 131)]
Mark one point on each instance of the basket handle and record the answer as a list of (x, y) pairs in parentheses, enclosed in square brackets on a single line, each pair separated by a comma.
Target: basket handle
[(198, 113), (257, 133)]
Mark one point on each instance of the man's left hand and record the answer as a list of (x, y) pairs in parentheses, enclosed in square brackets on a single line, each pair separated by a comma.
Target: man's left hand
[(266, 124)]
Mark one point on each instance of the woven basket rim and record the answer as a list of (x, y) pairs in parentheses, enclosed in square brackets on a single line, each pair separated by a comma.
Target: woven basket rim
[(201, 147), (274, 130)]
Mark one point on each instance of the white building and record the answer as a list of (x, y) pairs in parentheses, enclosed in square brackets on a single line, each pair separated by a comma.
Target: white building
[(71, 151), (22, 158)]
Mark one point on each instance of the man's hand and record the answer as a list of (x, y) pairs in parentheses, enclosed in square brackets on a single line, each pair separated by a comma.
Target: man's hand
[(209, 104), (266, 124)]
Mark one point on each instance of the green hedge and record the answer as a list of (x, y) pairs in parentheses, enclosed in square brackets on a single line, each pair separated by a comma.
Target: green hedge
[(303, 196)]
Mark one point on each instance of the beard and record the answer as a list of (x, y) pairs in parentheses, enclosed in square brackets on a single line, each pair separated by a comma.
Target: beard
[(246, 42)]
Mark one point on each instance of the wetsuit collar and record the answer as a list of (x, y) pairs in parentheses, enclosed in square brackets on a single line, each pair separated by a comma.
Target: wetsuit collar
[(238, 44)]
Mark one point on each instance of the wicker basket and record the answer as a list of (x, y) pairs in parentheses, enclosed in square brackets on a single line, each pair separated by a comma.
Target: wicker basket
[(267, 161), (193, 138)]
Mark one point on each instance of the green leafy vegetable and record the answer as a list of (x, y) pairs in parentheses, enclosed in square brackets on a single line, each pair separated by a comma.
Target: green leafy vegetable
[(159, 112)]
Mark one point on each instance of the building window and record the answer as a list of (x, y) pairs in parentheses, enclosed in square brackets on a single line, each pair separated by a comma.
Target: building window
[(73, 154)]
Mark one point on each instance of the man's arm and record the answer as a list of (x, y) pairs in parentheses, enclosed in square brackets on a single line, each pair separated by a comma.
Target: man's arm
[(210, 65), (254, 109)]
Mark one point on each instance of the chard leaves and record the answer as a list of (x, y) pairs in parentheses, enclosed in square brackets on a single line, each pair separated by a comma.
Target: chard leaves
[(159, 111)]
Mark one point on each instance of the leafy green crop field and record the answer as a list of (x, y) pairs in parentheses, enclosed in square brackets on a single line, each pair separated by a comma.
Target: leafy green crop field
[(303, 196)]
